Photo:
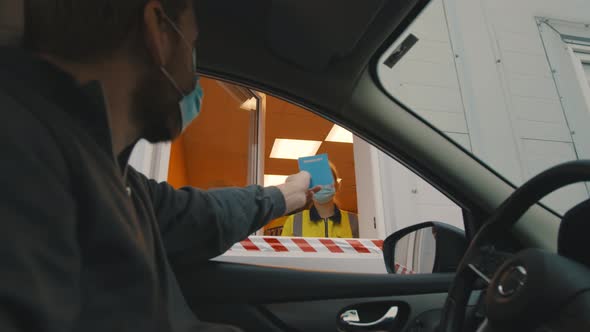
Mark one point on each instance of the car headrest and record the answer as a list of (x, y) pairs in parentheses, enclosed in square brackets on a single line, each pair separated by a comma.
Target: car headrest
[(12, 22), (574, 231)]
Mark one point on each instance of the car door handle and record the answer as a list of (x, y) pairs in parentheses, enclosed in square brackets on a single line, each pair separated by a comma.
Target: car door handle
[(350, 321)]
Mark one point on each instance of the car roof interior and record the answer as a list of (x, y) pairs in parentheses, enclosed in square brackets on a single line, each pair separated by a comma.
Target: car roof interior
[(300, 46)]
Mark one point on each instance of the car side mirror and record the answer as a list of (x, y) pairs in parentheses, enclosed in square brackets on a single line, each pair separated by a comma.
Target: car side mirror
[(430, 247)]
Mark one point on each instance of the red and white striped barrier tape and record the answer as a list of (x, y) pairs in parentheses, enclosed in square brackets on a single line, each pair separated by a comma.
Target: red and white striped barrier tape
[(309, 245), (315, 245)]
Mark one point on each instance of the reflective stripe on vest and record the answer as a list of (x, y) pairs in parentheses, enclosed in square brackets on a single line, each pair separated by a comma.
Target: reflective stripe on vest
[(353, 220), (298, 224)]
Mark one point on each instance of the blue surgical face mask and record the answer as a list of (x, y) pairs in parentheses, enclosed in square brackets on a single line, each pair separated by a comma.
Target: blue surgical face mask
[(325, 195), (191, 103)]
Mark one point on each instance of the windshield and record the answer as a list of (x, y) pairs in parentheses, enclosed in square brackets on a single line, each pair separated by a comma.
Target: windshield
[(509, 85)]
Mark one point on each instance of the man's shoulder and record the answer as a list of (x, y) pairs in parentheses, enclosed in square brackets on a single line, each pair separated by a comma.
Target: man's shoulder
[(24, 111), (18, 118), (24, 134)]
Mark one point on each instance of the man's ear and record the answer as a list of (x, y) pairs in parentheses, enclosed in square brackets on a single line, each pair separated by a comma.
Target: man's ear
[(156, 33)]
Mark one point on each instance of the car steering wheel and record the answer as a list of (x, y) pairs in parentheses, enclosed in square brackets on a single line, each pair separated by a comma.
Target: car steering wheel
[(531, 289)]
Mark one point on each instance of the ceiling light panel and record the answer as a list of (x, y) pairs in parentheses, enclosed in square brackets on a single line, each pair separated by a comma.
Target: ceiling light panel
[(339, 134), (294, 148)]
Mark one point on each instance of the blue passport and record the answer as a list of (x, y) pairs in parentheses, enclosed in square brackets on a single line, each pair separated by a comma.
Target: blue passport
[(319, 168)]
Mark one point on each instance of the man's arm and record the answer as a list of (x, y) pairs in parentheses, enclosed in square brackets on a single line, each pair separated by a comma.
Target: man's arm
[(200, 224), (39, 256)]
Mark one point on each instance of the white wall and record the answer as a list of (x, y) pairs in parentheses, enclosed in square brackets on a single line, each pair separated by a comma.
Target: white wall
[(395, 196), (151, 159), (426, 81), (370, 208), (480, 73), (409, 200), (507, 32)]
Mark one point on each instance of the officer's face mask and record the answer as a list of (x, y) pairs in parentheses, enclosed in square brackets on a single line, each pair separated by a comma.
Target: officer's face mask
[(190, 104), (325, 195)]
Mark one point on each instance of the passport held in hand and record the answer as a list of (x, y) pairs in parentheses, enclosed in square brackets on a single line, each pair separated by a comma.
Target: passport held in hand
[(319, 168)]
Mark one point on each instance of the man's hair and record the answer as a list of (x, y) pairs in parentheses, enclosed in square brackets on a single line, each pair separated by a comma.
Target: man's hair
[(88, 30)]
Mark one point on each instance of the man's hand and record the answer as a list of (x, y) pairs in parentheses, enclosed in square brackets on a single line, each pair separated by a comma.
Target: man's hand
[(296, 191)]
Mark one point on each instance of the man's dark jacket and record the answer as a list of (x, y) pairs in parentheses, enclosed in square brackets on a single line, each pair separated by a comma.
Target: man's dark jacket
[(85, 240)]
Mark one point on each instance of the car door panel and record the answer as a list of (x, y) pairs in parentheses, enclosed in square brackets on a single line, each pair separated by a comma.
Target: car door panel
[(259, 298), (322, 315), (216, 282)]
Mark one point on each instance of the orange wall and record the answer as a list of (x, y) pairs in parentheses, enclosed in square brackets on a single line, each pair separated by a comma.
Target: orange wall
[(217, 143), (213, 151)]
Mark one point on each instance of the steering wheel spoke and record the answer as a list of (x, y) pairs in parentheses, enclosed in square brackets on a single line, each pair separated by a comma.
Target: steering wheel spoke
[(480, 273), (486, 261), (485, 327)]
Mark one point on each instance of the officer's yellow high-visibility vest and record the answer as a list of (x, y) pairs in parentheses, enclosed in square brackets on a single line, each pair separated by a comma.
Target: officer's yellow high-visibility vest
[(308, 223)]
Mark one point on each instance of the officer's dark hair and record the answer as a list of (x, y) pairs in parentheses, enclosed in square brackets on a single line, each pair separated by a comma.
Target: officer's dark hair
[(88, 30)]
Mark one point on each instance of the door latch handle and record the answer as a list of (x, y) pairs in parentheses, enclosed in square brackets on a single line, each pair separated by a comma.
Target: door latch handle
[(351, 318)]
